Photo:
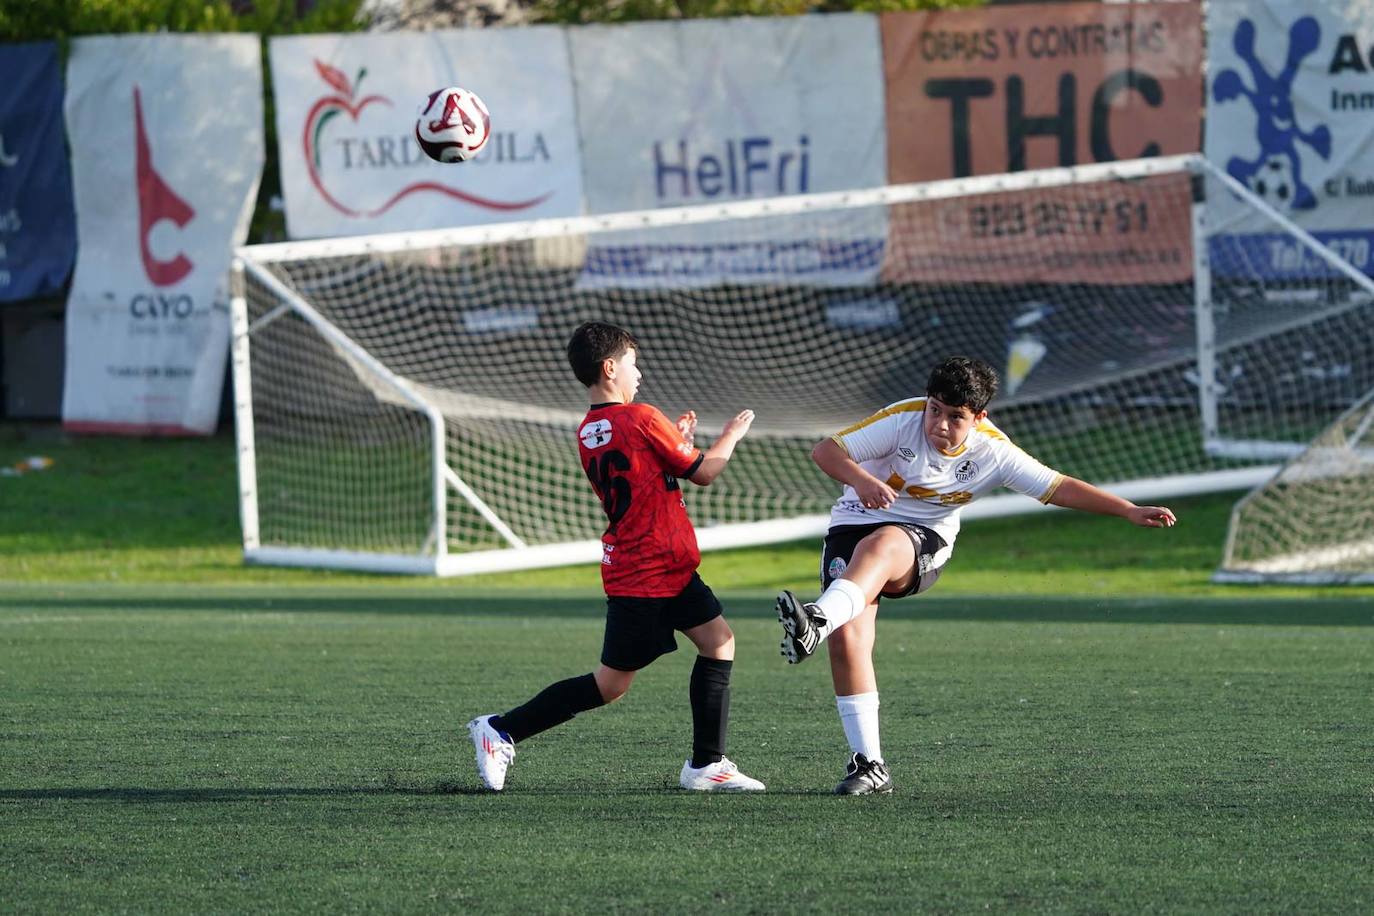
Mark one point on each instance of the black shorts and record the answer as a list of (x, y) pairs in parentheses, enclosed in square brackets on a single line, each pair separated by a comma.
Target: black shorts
[(840, 544), (639, 630)]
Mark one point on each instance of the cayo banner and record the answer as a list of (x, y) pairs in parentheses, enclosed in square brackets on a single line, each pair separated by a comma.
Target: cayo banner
[(37, 227), (161, 201), (1003, 89), (1290, 114), (673, 114), (346, 114)]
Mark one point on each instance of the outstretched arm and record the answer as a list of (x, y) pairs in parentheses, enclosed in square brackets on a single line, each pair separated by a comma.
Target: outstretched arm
[(718, 455), (1073, 493)]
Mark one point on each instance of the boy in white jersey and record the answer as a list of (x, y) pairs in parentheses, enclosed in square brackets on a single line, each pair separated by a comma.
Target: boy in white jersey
[(907, 470)]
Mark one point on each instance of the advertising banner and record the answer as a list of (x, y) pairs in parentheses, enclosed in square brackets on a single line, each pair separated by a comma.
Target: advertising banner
[(1009, 88), (673, 114), (161, 200), (1290, 115), (37, 227), (346, 113)]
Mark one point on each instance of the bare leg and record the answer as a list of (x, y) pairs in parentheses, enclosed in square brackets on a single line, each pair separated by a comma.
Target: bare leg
[(612, 682), (885, 561), (851, 655), (713, 639)]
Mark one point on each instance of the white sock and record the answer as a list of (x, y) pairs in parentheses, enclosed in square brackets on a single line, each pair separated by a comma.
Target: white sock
[(859, 716), (841, 603)]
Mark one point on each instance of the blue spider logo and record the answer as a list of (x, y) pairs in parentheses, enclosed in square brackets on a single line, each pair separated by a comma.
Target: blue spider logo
[(1277, 172)]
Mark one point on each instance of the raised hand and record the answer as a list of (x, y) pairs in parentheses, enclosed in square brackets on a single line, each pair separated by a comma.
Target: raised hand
[(687, 425), (739, 424)]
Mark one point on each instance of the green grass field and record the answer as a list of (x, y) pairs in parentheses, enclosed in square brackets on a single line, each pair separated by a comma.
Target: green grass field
[(1076, 720)]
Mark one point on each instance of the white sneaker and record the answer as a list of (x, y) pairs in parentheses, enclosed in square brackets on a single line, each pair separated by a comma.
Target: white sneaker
[(721, 776), (495, 751)]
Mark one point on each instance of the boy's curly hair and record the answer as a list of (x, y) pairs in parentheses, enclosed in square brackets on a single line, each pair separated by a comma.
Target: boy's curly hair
[(962, 381)]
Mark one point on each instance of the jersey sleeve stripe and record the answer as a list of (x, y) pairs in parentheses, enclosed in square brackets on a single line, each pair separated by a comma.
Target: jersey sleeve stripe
[(916, 404), (840, 442), (1049, 494), (987, 428), (701, 456)]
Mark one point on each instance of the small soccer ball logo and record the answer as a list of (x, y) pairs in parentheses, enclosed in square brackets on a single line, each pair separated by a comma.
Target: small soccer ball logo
[(1273, 182), (453, 125)]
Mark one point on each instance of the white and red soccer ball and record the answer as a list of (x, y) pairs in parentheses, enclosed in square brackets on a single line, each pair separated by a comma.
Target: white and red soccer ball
[(453, 125)]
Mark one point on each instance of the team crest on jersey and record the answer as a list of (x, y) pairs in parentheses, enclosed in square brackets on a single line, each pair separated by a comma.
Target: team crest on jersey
[(906, 453), (596, 433), (837, 567), (966, 470)]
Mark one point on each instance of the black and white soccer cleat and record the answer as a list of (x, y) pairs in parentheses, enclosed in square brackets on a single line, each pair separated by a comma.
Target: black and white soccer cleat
[(801, 627), (864, 777)]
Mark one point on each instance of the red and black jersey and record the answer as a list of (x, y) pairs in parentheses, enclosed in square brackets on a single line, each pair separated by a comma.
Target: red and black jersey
[(633, 456)]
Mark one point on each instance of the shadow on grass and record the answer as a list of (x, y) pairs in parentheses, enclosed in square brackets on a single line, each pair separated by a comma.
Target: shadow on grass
[(198, 795), (1239, 611), (195, 794)]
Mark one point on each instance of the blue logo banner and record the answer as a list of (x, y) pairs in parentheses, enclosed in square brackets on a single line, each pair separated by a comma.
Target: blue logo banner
[(37, 224), (1289, 110)]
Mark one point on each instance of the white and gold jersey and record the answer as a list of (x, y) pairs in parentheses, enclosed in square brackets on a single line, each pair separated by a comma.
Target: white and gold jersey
[(931, 483)]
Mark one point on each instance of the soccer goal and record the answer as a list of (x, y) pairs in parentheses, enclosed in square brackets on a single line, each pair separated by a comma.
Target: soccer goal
[(403, 402), (1313, 522)]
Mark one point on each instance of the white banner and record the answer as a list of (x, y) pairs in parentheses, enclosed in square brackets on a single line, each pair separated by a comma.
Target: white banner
[(1290, 114), (167, 150), (346, 108), (706, 111)]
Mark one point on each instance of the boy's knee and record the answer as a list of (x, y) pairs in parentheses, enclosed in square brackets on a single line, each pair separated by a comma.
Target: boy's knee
[(613, 684), (724, 640), (714, 639), (852, 641), (611, 693)]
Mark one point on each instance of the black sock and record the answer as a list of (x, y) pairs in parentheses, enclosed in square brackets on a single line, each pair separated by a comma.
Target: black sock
[(710, 695), (554, 705)]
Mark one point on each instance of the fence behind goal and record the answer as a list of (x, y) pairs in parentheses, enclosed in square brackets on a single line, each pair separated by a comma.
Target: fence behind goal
[(404, 402)]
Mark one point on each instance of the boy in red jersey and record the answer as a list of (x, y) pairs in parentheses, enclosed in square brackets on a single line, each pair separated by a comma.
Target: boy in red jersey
[(634, 457)]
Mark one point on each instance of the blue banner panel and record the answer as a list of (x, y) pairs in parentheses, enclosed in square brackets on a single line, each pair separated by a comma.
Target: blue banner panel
[(37, 224), (1279, 256)]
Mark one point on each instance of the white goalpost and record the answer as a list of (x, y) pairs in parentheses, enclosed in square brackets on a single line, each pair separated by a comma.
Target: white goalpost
[(1312, 523), (403, 402)]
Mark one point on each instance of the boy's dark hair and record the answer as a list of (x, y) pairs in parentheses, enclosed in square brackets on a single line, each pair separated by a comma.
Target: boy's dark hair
[(593, 343), (961, 381)]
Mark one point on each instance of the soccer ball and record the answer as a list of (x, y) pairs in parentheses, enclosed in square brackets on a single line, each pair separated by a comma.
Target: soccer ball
[(453, 125)]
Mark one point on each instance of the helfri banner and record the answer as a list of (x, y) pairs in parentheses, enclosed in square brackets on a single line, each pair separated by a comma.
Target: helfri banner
[(675, 114), (161, 201), (37, 227), (1290, 114), (346, 113), (1004, 89)]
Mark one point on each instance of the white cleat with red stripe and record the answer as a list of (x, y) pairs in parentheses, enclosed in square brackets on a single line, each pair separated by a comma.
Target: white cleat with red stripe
[(495, 751), (721, 776)]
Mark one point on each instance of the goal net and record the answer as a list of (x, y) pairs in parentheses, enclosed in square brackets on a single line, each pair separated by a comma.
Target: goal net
[(403, 402), (1313, 522)]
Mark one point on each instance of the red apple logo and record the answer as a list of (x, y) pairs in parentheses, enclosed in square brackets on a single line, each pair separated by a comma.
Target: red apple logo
[(342, 101)]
